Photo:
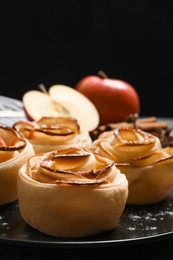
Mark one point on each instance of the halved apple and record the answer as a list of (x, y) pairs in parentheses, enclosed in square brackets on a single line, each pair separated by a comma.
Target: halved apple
[(61, 101)]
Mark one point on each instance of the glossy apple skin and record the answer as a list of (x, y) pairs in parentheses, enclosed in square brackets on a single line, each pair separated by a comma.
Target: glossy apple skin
[(114, 99)]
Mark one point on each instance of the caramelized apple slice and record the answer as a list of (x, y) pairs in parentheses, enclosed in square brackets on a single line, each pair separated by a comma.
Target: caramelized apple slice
[(10, 143)]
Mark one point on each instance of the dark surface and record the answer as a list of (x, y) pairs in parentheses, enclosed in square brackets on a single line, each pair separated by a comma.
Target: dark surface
[(161, 250)]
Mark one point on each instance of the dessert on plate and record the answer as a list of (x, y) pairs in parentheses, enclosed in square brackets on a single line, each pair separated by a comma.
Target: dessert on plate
[(71, 192), (14, 152), (51, 133), (152, 125), (140, 156)]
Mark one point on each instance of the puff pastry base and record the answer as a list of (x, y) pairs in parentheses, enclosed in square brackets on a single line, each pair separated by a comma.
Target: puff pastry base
[(8, 175), (71, 210)]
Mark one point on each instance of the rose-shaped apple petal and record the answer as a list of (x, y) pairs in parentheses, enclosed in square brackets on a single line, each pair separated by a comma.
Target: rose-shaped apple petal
[(60, 126), (10, 140), (72, 165)]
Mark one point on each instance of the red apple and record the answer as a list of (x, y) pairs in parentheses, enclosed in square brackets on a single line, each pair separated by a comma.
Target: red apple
[(115, 99)]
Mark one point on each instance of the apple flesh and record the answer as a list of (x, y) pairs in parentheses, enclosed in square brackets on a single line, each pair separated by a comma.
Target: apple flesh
[(37, 104), (114, 99), (79, 105)]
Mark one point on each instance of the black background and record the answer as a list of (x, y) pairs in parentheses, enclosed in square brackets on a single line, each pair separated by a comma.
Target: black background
[(59, 42)]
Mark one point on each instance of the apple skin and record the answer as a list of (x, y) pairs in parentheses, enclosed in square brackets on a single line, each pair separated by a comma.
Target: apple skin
[(27, 115), (115, 99)]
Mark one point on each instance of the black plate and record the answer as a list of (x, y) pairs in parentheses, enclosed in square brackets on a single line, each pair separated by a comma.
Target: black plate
[(138, 224)]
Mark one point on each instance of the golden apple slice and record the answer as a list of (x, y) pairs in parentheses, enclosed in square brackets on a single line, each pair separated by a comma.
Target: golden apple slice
[(79, 106)]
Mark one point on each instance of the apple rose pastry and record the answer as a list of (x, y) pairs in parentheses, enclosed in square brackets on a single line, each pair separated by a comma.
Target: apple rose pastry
[(139, 155), (71, 192), (14, 152), (51, 133)]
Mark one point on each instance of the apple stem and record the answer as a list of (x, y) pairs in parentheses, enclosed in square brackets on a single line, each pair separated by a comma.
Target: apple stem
[(133, 119), (43, 88), (59, 107), (102, 74)]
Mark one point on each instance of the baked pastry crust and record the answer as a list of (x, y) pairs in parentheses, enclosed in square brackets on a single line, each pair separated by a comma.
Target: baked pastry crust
[(71, 193), (51, 133), (14, 152), (140, 156)]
